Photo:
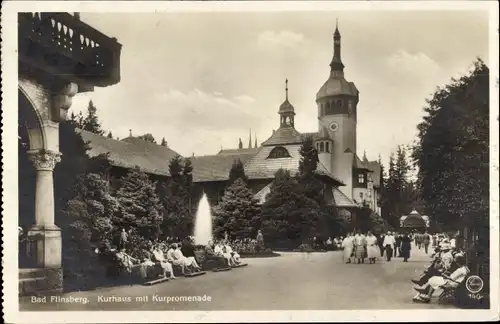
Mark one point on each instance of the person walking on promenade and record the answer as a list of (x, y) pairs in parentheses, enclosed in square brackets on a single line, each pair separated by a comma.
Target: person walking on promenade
[(372, 249), (427, 241), (348, 245), (389, 245), (405, 247), (381, 244)]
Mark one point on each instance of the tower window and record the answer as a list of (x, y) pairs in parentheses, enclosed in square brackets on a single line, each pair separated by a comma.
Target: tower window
[(321, 147), (361, 178), (327, 148), (330, 109), (279, 152), (339, 103)]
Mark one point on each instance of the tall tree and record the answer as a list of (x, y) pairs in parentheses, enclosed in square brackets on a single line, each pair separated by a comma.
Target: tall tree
[(110, 135), (237, 212), (310, 189), (140, 207), (163, 142), (279, 212), (237, 172), (91, 121), (175, 195), (452, 153)]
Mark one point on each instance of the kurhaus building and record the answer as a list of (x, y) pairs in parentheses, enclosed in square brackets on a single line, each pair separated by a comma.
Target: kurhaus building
[(349, 181)]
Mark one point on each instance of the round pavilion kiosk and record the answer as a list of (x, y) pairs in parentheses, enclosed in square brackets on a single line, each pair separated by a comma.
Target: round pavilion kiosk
[(413, 221)]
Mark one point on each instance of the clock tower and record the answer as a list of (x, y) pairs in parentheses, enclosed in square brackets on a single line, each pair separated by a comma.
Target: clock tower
[(337, 103)]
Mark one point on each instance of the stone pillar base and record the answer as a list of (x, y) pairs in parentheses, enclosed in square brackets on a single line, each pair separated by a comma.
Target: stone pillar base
[(47, 281), (46, 243)]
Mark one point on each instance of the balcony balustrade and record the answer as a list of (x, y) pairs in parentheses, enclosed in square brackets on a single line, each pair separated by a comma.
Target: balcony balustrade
[(63, 46)]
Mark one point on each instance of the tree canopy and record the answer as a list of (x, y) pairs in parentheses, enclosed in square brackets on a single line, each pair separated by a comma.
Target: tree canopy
[(452, 153)]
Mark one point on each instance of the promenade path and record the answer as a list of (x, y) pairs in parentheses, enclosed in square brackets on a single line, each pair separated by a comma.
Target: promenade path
[(293, 281)]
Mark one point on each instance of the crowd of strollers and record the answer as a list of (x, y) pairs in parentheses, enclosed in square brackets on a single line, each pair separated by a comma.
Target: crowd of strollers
[(446, 272)]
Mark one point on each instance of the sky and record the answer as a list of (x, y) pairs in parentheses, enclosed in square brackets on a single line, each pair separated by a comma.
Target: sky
[(203, 80)]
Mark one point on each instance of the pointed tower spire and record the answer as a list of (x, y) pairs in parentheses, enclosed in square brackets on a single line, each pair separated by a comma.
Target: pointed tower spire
[(240, 144), (256, 145), (286, 111), (337, 67), (130, 132), (286, 89), (250, 139), (365, 159)]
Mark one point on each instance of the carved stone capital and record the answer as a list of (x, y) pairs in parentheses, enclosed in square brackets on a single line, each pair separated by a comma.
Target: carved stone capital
[(62, 101), (44, 160)]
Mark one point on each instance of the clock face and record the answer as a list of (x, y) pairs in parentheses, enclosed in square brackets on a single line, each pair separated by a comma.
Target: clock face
[(334, 127)]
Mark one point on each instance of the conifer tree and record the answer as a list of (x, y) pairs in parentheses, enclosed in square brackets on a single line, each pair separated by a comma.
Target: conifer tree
[(140, 207), (280, 217), (238, 212), (163, 142), (89, 216), (110, 135), (237, 172), (175, 195), (91, 121)]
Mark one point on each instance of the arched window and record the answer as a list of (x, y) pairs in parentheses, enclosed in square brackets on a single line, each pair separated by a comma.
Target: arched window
[(317, 147), (330, 109), (321, 147), (327, 149), (279, 152)]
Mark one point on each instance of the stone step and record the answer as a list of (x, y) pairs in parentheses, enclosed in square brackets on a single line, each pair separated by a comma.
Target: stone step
[(32, 286), (31, 273)]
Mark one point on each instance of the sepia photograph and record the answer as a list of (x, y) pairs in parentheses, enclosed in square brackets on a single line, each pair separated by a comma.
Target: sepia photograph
[(197, 157)]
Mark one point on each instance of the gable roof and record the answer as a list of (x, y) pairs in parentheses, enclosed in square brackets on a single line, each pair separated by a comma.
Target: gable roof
[(149, 157), (238, 151), (341, 200), (216, 167)]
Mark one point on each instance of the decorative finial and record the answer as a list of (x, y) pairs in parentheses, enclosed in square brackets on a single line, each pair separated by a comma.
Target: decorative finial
[(255, 146), (250, 139), (337, 24), (286, 89)]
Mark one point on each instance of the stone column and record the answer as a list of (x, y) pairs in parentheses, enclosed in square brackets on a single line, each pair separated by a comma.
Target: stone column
[(46, 234)]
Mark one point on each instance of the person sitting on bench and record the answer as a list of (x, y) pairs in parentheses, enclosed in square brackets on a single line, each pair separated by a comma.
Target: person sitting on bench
[(442, 261), (175, 259), (213, 256), (232, 256), (187, 250), (442, 281), (189, 263), (127, 261), (165, 265)]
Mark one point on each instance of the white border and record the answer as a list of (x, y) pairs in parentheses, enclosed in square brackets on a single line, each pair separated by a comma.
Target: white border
[(9, 160)]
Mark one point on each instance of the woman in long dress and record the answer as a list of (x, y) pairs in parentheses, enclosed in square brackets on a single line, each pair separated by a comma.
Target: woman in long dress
[(359, 247), (348, 245), (405, 247), (372, 249)]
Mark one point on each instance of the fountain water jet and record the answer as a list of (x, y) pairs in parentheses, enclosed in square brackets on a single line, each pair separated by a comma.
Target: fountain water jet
[(203, 222)]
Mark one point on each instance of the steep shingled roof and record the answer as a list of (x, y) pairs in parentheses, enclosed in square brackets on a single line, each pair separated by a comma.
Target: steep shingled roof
[(341, 200), (283, 136), (149, 157), (216, 167), (261, 167)]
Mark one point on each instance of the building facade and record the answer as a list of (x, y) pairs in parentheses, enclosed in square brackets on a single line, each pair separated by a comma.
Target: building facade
[(59, 56)]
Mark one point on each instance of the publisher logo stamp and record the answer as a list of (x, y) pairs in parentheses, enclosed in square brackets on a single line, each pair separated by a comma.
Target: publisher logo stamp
[(474, 284)]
